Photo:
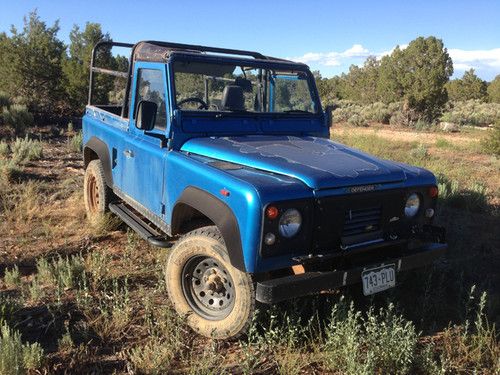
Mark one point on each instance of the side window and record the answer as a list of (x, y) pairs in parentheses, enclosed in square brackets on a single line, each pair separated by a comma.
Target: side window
[(150, 87)]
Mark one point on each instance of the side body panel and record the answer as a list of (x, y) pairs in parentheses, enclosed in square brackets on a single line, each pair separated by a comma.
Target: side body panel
[(106, 129), (144, 153)]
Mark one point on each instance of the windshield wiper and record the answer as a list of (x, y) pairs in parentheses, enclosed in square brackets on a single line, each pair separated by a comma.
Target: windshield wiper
[(297, 111)]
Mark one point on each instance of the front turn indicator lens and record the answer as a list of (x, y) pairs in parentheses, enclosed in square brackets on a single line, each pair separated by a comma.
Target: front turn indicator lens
[(433, 191)]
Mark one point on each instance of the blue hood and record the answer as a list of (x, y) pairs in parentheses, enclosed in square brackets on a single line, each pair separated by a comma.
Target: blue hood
[(318, 162)]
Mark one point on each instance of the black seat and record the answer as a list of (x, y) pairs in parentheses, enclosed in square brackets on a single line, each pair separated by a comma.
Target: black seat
[(232, 98)]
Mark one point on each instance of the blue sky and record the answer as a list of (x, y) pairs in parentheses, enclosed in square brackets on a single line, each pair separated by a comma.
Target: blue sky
[(327, 35)]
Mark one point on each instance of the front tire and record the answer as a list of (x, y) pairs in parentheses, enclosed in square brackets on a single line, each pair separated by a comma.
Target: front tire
[(96, 193), (217, 299)]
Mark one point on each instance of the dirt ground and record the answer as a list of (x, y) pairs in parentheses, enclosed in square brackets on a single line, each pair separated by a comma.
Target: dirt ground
[(48, 221)]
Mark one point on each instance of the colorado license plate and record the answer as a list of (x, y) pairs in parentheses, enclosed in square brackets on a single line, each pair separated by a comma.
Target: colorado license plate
[(378, 279)]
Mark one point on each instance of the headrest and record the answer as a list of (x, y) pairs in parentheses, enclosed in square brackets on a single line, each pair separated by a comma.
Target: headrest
[(232, 98)]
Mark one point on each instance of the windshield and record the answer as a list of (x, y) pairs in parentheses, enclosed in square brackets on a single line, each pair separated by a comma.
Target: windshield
[(217, 87)]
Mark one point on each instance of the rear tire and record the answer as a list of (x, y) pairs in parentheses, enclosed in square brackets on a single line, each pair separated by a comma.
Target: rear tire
[(217, 300), (96, 193)]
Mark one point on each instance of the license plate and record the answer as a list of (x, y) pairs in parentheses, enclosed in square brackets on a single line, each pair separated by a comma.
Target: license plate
[(378, 279)]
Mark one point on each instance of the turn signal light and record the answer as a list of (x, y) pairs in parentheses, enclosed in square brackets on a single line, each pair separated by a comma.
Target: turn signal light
[(272, 212), (433, 191)]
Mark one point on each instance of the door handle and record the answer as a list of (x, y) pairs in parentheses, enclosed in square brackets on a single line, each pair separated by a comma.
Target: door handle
[(128, 154)]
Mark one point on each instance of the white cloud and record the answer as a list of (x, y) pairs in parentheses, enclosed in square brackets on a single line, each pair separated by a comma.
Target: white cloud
[(333, 58), (357, 50), (477, 59), (483, 61)]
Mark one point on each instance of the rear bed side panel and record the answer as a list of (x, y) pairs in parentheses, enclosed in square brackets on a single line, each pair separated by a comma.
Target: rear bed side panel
[(105, 128)]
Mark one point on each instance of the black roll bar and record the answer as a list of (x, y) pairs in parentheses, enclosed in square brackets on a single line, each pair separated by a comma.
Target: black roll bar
[(128, 76)]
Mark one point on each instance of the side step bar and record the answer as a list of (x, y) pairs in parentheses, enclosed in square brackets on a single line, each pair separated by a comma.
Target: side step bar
[(138, 224)]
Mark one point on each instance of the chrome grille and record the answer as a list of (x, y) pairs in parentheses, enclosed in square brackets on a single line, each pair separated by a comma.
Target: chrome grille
[(362, 221)]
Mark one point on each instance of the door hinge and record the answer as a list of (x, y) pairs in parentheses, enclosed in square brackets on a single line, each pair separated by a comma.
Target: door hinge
[(162, 209)]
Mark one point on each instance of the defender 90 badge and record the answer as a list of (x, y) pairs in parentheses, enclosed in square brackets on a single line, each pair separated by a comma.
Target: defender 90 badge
[(362, 189)]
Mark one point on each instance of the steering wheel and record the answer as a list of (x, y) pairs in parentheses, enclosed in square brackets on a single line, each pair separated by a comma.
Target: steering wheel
[(202, 104)]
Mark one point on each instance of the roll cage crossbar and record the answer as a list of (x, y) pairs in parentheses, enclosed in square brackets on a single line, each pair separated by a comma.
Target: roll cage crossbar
[(174, 46)]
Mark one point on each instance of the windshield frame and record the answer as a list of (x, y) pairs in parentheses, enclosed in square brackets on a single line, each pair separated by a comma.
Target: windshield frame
[(277, 65)]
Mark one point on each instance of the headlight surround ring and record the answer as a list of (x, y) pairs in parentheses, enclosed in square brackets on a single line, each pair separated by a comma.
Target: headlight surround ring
[(290, 223)]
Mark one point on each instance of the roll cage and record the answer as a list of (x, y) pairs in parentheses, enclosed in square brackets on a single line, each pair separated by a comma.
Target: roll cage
[(158, 51)]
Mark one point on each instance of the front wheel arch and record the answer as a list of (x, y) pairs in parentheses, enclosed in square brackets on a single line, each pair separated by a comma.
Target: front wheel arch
[(219, 213)]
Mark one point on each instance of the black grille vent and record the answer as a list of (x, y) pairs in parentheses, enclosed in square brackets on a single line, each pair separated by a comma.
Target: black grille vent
[(362, 221)]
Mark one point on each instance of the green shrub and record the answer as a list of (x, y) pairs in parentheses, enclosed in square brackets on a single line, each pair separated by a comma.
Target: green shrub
[(380, 343), (472, 112), (377, 112), (357, 120), (18, 117), (12, 278), (70, 127), (399, 118), (475, 198), (9, 171), (154, 357), (471, 348), (16, 357), (4, 100), (25, 150), (343, 114), (75, 143), (8, 307), (491, 144), (4, 149)]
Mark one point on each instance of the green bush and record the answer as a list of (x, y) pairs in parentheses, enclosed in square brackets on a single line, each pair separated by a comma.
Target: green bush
[(75, 143), (399, 118), (357, 120), (8, 307), (380, 343), (9, 171), (4, 149), (4, 100), (18, 118), (420, 152), (16, 357), (12, 278), (345, 111), (25, 150), (474, 198), (377, 112), (491, 144), (472, 112)]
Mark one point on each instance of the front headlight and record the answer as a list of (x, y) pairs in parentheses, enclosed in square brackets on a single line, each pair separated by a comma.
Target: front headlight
[(412, 205), (290, 222)]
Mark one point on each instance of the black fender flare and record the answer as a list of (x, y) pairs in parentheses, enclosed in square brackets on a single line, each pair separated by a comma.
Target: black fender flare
[(101, 150), (219, 213)]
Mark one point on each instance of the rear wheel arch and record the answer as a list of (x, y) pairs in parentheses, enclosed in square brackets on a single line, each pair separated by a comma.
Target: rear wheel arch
[(94, 149), (192, 203)]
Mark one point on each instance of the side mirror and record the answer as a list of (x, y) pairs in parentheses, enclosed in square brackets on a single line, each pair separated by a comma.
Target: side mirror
[(146, 115), (328, 115)]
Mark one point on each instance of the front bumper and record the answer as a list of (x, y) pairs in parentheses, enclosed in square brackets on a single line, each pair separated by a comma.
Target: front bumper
[(283, 288)]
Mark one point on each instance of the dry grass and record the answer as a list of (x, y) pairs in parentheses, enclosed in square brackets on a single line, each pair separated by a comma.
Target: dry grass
[(94, 299)]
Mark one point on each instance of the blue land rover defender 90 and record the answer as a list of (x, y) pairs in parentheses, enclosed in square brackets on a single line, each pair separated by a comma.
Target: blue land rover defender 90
[(228, 152)]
